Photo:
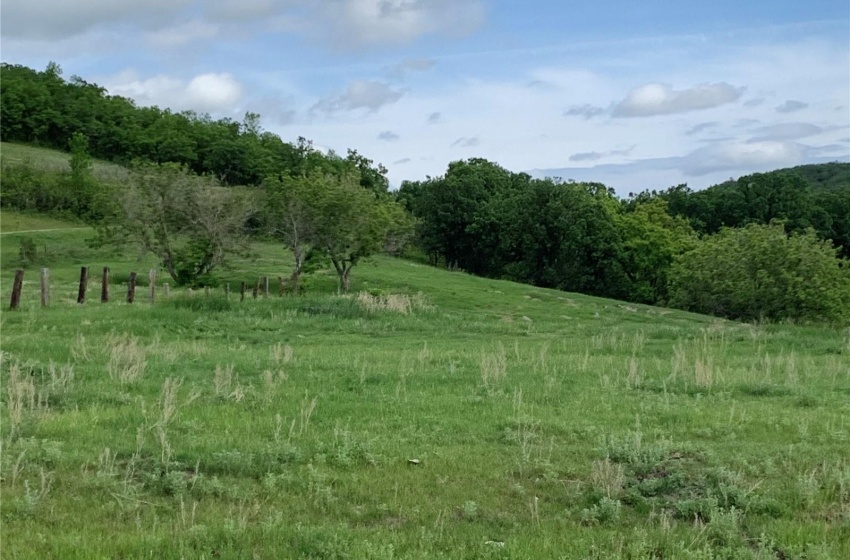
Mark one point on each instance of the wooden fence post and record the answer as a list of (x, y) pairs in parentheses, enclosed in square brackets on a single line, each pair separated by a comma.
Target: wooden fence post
[(242, 292), (104, 285), (227, 290), (84, 280), (165, 289), (256, 288), (152, 284), (16, 289), (265, 286), (280, 284), (45, 286), (131, 288)]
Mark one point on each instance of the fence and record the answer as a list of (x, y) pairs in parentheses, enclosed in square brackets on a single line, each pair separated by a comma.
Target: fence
[(258, 289)]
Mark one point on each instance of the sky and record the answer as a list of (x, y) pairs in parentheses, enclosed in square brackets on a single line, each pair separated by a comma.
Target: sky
[(636, 95)]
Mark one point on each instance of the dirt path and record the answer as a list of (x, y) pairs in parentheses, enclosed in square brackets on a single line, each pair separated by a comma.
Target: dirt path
[(41, 230)]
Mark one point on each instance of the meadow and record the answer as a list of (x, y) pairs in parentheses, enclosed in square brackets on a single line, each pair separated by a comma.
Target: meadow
[(428, 414)]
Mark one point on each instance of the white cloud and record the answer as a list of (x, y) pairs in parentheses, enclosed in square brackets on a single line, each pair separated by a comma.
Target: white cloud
[(244, 10), (785, 131), (434, 118), (586, 156), (357, 23), (790, 106), (214, 93), (697, 128), (360, 94), (388, 136), (399, 70), (50, 20), (742, 155), (183, 34), (586, 111), (465, 142), (662, 99)]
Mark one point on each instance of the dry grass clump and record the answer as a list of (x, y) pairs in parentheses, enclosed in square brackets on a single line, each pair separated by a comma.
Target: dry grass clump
[(24, 398), (127, 358), (394, 303), (20, 398), (494, 366), (607, 477)]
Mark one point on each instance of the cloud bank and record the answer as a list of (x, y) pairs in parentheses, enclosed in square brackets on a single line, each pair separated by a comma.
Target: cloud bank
[(661, 99)]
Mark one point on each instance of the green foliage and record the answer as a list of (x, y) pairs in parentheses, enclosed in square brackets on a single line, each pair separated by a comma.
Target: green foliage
[(43, 108), (760, 272), (802, 197), (192, 225), (334, 216), (28, 252), (652, 238)]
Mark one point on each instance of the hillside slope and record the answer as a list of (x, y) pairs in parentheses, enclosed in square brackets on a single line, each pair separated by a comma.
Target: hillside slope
[(430, 415)]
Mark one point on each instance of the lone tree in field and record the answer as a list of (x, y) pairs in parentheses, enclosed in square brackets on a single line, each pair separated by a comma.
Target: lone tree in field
[(331, 215), (189, 222), (354, 223), (290, 213)]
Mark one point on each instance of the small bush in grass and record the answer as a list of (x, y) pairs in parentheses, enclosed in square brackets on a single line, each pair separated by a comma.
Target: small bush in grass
[(604, 512), (28, 253)]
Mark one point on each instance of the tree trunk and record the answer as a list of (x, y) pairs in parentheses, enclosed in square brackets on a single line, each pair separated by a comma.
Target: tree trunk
[(345, 279), (296, 270)]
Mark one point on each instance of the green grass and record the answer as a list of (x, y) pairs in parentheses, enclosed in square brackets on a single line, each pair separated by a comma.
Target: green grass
[(13, 222), (546, 424), (55, 160)]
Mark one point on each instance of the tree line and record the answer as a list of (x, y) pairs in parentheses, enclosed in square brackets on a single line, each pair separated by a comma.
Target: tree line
[(42, 108), (765, 246)]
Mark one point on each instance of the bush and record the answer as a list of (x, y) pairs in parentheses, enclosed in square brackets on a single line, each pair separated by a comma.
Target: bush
[(758, 272)]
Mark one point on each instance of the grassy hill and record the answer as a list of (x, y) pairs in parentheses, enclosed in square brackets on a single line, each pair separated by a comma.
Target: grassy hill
[(54, 160), (428, 415)]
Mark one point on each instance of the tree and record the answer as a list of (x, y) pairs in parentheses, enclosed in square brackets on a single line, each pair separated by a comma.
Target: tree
[(351, 223), (760, 272), (564, 236), (191, 224), (290, 213), (651, 239)]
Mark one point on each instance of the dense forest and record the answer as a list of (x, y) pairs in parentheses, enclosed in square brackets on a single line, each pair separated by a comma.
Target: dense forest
[(765, 246)]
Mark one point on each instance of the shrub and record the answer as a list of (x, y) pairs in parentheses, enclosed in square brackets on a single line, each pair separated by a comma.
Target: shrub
[(758, 272)]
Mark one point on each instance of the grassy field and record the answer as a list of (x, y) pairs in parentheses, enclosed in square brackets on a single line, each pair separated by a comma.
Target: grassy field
[(428, 415), (46, 158)]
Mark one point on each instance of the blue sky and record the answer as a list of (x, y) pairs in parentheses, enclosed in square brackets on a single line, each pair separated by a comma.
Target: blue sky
[(633, 94)]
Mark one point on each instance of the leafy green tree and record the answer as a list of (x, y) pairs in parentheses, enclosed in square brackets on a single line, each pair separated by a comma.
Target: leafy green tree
[(564, 236), (351, 223), (651, 239), (290, 214), (190, 223), (81, 183), (760, 272)]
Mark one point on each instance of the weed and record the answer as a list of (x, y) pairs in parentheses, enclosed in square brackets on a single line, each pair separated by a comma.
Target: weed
[(607, 477), (469, 510), (603, 512), (127, 358), (393, 303), (493, 366), (168, 409), (22, 400)]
